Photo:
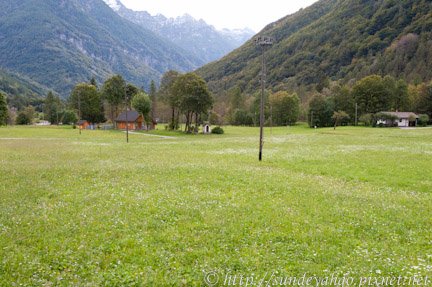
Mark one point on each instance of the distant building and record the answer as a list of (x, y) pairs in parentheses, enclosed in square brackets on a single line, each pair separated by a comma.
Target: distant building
[(43, 123), (398, 119), (206, 129), (83, 124), (134, 121)]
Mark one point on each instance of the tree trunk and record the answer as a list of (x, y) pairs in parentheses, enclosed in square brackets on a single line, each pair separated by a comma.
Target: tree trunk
[(112, 115), (187, 122), (173, 119), (177, 122), (196, 123)]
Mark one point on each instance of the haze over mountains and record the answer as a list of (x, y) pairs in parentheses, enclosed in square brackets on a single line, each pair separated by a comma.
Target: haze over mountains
[(54, 44)]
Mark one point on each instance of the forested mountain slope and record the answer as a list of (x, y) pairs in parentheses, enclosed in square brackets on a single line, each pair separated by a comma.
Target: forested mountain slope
[(335, 40), (58, 43)]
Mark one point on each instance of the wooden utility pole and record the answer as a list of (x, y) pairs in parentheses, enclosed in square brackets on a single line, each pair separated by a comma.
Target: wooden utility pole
[(356, 114), (263, 42), (127, 107)]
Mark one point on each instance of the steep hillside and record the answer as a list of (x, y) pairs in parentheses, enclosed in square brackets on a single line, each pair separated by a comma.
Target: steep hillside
[(21, 91), (59, 43), (196, 36), (335, 39)]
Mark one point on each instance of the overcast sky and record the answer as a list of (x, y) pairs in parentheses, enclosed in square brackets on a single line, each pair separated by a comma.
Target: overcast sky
[(223, 13)]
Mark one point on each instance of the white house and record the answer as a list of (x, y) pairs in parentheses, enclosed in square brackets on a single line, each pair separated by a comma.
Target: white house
[(403, 119)]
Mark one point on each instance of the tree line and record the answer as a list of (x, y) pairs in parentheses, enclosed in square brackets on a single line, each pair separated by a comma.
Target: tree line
[(280, 108), (364, 101), (330, 104), (186, 99), (186, 95), (87, 102)]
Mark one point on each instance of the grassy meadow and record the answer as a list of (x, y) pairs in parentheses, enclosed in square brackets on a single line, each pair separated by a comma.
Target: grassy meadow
[(91, 210)]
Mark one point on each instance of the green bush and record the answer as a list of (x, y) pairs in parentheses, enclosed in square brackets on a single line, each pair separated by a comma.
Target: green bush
[(423, 120), (366, 119), (23, 119), (69, 117), (242, 118), (218, 131)]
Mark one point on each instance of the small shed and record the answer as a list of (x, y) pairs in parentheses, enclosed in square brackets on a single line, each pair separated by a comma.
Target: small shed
[(130, 119), (206, 129), (83, 124)]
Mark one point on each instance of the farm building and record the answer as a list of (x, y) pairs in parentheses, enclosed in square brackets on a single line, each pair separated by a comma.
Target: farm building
[(399, 119), (83, 124), (134, 121)]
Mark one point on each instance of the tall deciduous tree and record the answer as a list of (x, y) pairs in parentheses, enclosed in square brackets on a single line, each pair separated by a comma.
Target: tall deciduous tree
[(113, 92), (30, 111), (237, 108), (142, 103), (339, 117), (285, 108), (321, 110), (86, 100), (195, 98), (372, 95), (398, 93), (69, 117), (3, 110), (236, 98), (23, 119), (170, 97), (344, 100), (425, 100), (401, 96)]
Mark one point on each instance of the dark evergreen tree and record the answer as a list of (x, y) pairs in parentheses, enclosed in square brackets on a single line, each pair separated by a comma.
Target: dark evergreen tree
[(93, 82), (3, 110), (153, 98), (52, 107)]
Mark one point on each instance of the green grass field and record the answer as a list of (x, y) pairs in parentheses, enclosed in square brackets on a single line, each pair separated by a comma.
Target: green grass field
[(91, 210)]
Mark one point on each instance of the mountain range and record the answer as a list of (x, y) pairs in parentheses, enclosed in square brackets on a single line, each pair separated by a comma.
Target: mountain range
[(196, 36), (334, 40), (59, 43), (54, 44)]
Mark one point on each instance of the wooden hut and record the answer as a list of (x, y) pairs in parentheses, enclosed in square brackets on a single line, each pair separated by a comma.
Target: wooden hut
[(132, 119)]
